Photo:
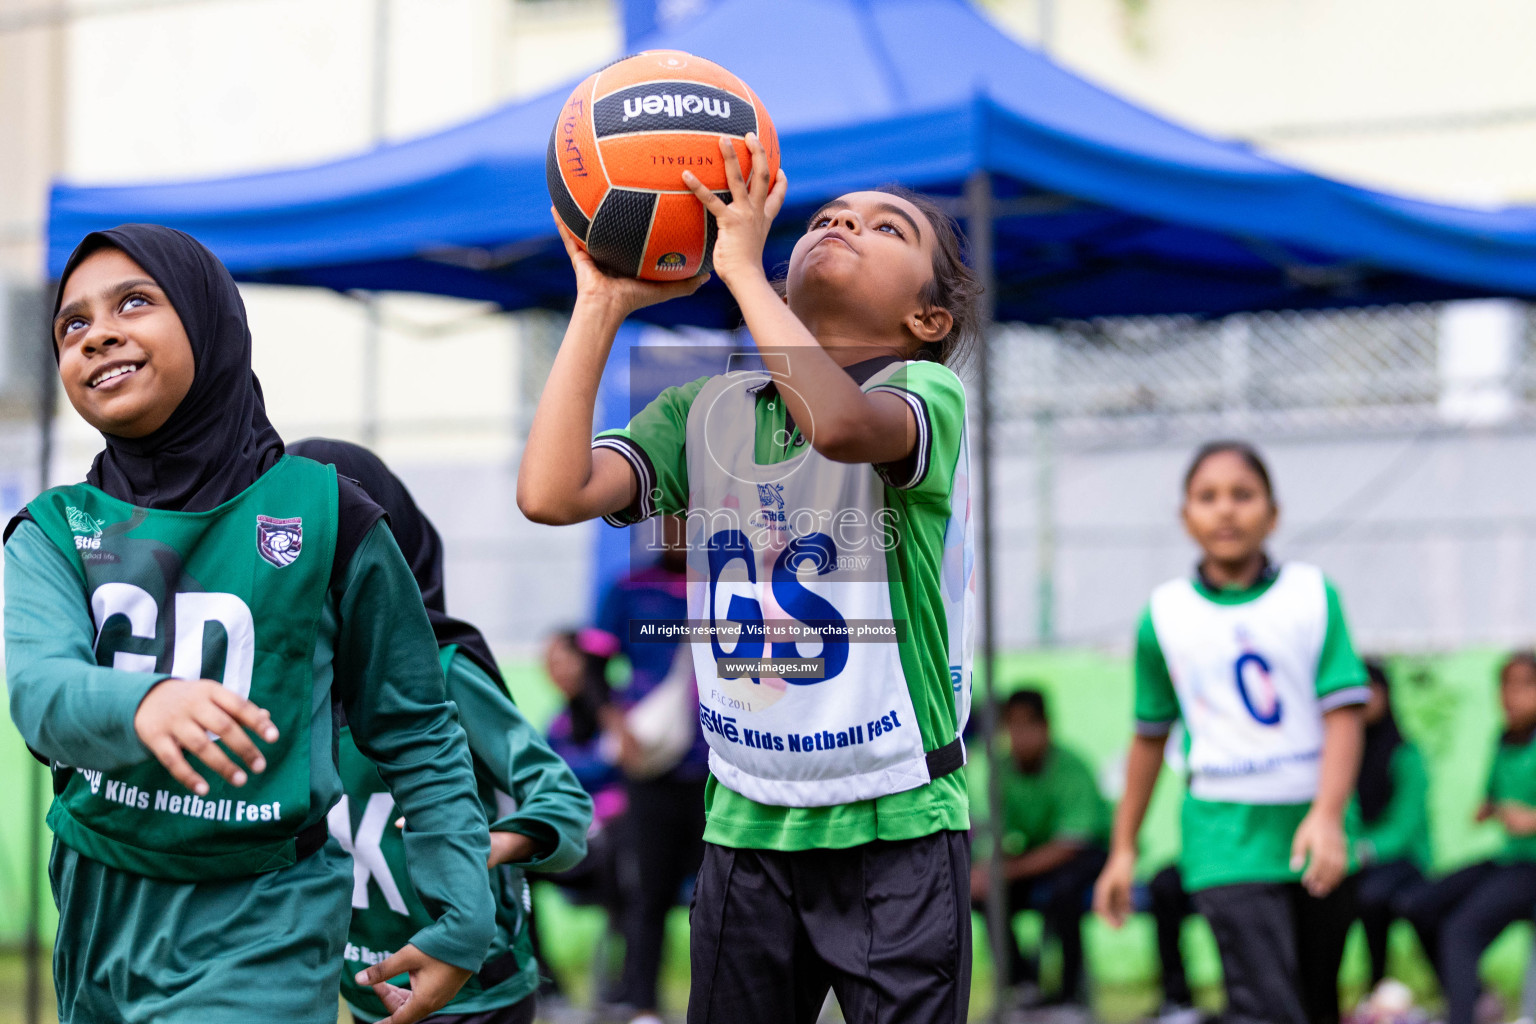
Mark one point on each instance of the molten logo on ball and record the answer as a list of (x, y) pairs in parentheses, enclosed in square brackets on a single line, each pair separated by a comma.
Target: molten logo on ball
[(676, 106)]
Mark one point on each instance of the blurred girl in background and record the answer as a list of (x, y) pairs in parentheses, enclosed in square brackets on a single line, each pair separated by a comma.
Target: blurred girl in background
[(1256, 660)]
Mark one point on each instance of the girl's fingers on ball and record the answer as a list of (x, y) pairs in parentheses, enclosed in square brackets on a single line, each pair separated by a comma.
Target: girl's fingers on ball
[(733, 176), (759, 162), (775, 201), (711, 202)]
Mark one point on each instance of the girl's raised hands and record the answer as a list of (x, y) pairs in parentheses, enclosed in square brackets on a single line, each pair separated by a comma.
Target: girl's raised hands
[(743, 223), (620, 296)]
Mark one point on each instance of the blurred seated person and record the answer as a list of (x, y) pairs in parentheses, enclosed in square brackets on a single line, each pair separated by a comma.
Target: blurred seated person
[(1393, 844), (1462, 913), (1055, 832)]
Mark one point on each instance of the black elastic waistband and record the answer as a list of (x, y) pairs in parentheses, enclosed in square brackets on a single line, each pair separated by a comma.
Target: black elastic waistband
[(309, 841), (946, 760)]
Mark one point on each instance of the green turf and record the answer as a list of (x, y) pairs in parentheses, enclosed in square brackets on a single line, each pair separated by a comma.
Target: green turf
[(1447, 704)]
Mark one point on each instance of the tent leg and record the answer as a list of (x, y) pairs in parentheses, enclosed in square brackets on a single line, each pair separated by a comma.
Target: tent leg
[(373, 348), (47, 397), (979, 214)]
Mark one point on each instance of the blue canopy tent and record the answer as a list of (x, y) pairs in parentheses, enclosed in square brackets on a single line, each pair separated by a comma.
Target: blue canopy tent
[(1077, 203), (1100, 208)]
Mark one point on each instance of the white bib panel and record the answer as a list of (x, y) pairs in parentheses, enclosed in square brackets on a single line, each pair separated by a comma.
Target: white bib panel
[(1246, 678), (804, 539)]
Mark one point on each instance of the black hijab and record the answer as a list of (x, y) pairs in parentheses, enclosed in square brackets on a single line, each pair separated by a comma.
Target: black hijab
[(414, 532), (218, 441), (1382, 739)]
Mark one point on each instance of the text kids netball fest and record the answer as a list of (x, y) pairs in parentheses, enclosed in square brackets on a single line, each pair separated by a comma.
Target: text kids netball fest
[(768, 512)]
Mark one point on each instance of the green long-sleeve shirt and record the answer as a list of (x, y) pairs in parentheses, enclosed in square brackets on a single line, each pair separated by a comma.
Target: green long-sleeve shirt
[(524, 787), (376, 651), (1402, 830)]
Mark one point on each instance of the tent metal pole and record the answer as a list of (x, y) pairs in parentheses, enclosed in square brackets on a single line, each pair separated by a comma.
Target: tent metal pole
[(1045, 526), (979, 210), (47, 398), (373, 347)]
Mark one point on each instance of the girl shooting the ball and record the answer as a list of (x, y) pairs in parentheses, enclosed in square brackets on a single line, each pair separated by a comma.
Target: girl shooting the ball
[(177, 629), (836, 852)]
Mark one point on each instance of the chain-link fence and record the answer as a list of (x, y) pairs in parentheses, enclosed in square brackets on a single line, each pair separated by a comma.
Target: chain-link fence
[(1289, 373), (1399, 437)]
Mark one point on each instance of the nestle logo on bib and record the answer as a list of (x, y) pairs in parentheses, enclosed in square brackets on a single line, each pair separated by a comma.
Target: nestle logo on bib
[(279, 541), (676, 105)]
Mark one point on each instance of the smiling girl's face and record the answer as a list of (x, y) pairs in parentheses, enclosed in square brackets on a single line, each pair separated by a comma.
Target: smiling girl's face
[(124, 356)]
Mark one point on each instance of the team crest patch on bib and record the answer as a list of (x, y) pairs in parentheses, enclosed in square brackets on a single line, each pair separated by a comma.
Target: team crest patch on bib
[(279, 541)]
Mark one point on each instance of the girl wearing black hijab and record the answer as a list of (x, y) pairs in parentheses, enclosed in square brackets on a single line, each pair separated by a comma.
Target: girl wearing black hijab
[(542, 827), (178, 628), (1393, 844)]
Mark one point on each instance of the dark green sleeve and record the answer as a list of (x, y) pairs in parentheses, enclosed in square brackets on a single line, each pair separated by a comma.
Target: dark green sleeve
[(391, 686), (1157, 703), (68, 708), (551, 805), (1341, 678), (1399, 833), (654, 446)]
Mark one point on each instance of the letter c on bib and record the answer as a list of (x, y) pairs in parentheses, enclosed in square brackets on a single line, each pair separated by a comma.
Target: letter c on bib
[(1245, 661)]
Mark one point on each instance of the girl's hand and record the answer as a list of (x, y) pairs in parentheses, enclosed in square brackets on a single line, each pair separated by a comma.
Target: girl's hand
[(619, 296), (511, 848), (743, 224), (1485, 810), (1319, 846), (1518, 820), (433, 983), (176, 717), (1112, 893), (981, 880)]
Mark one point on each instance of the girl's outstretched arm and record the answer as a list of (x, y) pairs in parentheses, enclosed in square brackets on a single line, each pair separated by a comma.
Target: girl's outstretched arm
[(838, 418), (561, 479), (1319, 843), (1112, 893)]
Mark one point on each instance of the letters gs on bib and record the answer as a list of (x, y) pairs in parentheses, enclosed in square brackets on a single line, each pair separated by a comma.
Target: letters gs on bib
[(813, 550)]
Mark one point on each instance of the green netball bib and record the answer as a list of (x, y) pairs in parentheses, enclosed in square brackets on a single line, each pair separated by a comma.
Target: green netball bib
[(235, 595)]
